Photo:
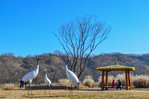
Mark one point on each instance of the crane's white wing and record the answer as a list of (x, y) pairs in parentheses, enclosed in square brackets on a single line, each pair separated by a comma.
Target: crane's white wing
[(71, 76), (30, 75)]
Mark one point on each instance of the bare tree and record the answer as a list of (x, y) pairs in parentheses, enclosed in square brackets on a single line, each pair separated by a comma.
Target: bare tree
[(80, 38)]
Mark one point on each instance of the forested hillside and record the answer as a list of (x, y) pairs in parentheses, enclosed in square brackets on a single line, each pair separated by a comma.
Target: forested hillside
[(12, 69)]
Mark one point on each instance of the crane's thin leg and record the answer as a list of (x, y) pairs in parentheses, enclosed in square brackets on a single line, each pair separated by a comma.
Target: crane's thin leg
[(45, 89), (31, 90), (30, 81), (29, 86), (28, 89), (49, 90), (67, 85), (71, 86), (70, 93)]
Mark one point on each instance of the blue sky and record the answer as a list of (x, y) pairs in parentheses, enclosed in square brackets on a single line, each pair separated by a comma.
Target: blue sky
[(27, 26)]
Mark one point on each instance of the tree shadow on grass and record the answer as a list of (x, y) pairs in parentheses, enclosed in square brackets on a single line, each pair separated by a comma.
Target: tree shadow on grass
[(90, 90), (70, 89), (2, 97), (43, 96)]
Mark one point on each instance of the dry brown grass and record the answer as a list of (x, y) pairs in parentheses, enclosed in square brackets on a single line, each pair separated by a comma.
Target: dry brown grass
[(93, 93)]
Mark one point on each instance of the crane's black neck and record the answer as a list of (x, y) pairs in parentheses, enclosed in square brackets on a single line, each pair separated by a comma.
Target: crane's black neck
[(38, 61), (67, 62)]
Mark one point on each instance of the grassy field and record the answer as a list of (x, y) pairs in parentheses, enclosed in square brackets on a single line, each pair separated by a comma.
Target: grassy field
[(94, 93)]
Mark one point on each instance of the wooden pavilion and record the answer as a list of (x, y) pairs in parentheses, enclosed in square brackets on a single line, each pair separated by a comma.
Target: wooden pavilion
[(116, 67)]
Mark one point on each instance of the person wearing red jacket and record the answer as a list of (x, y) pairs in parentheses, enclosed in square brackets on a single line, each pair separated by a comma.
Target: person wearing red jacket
[(113, 84)]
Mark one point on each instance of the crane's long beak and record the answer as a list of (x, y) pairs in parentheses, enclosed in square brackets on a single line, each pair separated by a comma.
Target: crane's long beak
[(43, 60)]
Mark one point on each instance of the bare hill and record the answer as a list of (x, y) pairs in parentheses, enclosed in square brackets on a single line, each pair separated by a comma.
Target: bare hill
[(12, 69)]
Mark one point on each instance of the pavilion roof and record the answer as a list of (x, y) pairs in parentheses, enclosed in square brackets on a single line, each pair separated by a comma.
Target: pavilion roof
[(115, 67)]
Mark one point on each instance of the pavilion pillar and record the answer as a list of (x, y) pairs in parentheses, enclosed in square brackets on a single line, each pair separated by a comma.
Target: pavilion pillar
[(106, 78), (129, 84), (102, 85), (126, 76)]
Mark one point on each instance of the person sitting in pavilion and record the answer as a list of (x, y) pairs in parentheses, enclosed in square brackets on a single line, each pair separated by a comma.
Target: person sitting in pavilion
[(119, 85), (113, 84)]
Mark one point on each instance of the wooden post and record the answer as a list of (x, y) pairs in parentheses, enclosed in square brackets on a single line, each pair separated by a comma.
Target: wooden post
[(106, 78), (126, 76), (127, 81), (129, 84), (102, 80)]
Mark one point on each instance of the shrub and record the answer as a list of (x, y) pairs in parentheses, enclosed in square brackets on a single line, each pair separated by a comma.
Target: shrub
[(63, 82), (88, 81), (141, 81), (8, 86)]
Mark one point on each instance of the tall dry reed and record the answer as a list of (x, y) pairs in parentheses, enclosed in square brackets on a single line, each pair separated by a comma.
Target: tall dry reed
[(141, 81)]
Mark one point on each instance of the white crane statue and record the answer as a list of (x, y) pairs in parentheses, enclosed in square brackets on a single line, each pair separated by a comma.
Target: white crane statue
[(31, 75), (47, 81), (72, 77)]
